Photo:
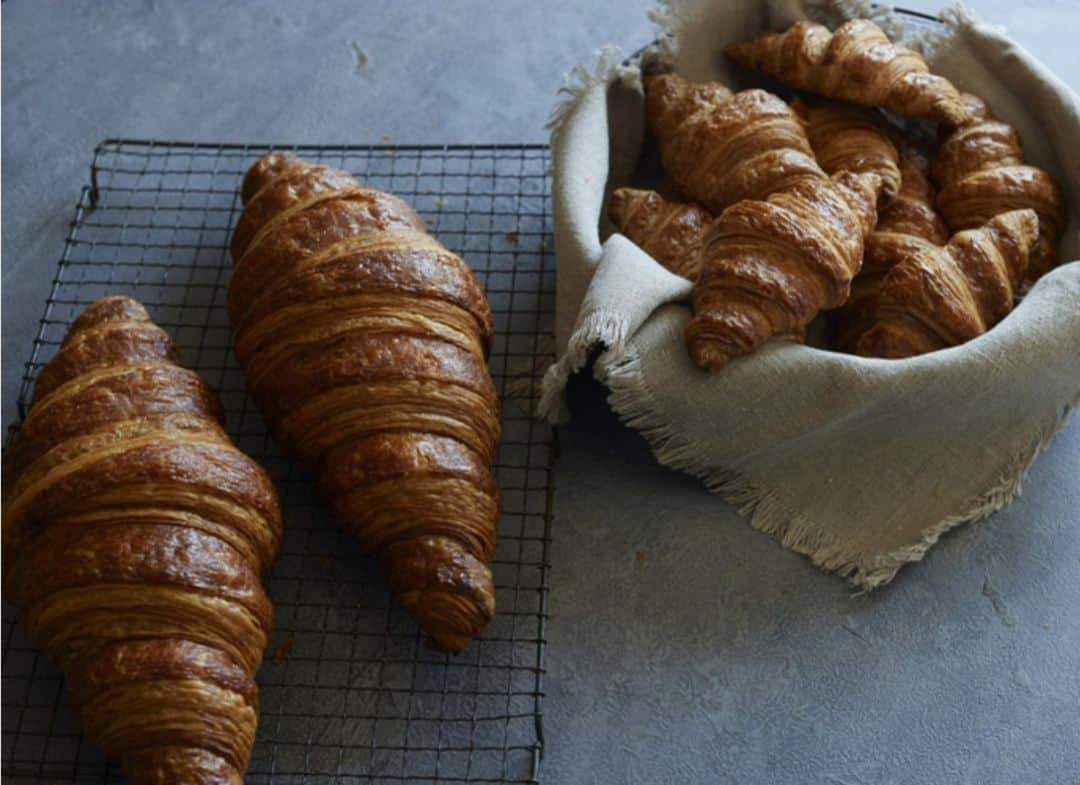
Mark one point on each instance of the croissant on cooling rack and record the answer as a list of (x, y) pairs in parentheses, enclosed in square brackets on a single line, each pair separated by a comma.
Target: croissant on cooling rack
[(770, 265), (981, 172), (720, 148), (672, 233), (134, 534), (855, 63), (908, 224), (937, 297), (850, 138), (363, 340)]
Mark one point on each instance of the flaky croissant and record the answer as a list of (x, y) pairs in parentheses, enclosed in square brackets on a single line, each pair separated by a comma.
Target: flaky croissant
[(363, 340), (850, 138), (672, 233), (938, 297), (907, 225), (134, 534), (770, 265), (720, 148), (856, 63), (981, 173)]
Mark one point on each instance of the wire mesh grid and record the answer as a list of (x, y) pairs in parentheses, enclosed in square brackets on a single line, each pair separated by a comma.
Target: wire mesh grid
[(349, 693)]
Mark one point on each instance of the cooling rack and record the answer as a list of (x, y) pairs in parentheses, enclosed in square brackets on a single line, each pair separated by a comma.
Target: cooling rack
[(349, 692)]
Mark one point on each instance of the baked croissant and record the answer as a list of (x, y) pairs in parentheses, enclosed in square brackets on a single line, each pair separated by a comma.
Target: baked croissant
[(940, 297), (981, 172), (720, 148), (672, 233), (908, 224), (855, 63), (134, 534), (851, 138), (770, 266), (363, 340)]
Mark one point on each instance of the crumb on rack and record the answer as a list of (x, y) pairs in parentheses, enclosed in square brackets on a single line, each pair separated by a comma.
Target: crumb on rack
[(514, 237), (282, 651)]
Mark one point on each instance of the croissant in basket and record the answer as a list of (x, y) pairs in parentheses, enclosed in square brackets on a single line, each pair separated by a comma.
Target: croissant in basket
[(981, 172), (856, 63), (363, 340), (134, 534), (719, 147), (935, 297)]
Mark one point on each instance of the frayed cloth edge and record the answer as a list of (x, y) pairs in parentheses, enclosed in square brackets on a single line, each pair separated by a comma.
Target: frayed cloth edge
[(635, 404)]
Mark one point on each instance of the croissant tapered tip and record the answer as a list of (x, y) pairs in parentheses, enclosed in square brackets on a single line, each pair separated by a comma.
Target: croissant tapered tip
[(622, 203), (670, 99), (1022, 223), (266, 169), (741, 53), (115, 308), (446, 589), (160, 765)]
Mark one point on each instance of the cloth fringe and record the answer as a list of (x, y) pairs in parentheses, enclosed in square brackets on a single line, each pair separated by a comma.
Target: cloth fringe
[(578, 81), (661, 54), (631, 398), (600, 328)]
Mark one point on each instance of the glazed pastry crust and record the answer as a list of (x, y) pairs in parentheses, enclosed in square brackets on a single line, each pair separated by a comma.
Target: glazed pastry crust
[(364, 342), (672, 233), (981, 173), (134, 536), (940, 297), (721, 148), (856, 63)]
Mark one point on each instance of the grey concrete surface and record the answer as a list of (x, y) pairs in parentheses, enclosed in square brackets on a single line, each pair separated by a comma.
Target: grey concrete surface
[(684, 647)]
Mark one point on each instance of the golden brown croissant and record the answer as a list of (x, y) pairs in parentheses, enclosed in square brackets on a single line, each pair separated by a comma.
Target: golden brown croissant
[(908, 224), (981, 172), (938, 297), (720, 148), (134, 534), (364, 340), (855, 63), (850, 138), (672, 233), (770, 266)]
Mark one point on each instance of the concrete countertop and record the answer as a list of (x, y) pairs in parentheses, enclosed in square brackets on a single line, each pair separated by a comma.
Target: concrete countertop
[(683, 646)]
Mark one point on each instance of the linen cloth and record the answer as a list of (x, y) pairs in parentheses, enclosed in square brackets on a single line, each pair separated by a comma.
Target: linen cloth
[(861, 464)]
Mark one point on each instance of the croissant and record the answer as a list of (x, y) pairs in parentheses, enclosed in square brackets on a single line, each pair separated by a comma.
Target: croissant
[(672, 233), (770, 266), (363, 340), (905, 226), (980, 171), (720, 148), (940, 297), (855, 63), (134, 534), (851, 138)]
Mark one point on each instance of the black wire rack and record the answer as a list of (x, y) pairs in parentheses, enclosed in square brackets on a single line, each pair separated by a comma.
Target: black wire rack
[(348, 690)]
